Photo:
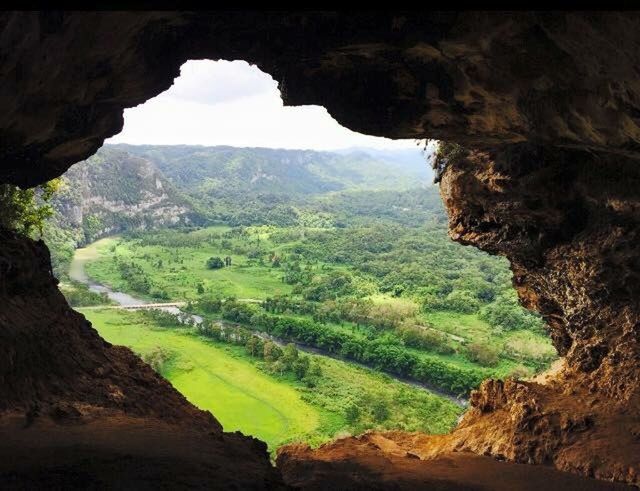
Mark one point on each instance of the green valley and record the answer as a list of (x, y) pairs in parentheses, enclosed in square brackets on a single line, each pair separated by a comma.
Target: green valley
[(329, 297), (244, 395)]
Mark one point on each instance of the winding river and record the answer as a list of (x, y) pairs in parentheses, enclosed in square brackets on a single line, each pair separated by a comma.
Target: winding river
[(78, 273)]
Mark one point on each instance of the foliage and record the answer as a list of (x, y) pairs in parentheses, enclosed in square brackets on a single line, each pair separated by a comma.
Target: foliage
[(352, 413), (380, 410), (157, 358), (387, 353), (79, 295), (425, 338), (215, 263), (483, 354), (446, 153), (26, 210), (461, 283), (506, 314)]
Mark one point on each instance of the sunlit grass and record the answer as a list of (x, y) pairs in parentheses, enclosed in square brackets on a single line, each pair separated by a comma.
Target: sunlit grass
[(225, 380), (239, 395)]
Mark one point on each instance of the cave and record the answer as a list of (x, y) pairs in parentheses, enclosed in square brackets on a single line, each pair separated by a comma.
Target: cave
[(541, 114)]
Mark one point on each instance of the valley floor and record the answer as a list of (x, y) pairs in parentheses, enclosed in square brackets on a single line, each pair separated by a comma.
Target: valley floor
[(243, 392), (215, 378), (277, 409)]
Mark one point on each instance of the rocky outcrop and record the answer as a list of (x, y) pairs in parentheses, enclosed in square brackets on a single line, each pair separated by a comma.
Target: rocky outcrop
[(393, 461), (546, 107), (115, 191), (568, 221)]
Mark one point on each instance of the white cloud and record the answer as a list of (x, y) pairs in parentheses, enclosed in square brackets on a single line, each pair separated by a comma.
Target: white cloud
[(209, 82), (234, 103)]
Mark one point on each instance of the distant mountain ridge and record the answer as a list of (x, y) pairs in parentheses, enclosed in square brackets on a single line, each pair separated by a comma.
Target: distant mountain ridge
[(216, 170)]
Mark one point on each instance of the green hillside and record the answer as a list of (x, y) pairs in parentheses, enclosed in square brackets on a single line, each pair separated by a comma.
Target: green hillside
[(222, 171)]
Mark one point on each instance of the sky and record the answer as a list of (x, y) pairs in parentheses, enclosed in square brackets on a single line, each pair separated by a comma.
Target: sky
[(234, 103)]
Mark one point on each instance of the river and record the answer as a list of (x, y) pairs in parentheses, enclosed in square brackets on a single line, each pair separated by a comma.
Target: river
[(78, 273)]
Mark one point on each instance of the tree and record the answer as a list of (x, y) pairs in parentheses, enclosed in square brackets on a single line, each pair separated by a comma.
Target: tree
[(289, 355), (380, 411), (505, 314), (279, 366), (271, 351), (462, 301), (301, 367), (215, 263), (26, 210), (210, 305), (352, 413), (315, 370), (254, 346)]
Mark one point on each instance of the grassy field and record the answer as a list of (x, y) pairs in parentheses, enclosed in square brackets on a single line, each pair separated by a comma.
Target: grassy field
[(239, 395), (182, 269), (277, 409), (520, 345)]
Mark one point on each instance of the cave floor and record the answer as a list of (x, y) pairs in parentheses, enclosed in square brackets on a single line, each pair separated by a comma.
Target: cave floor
[(119, 452)]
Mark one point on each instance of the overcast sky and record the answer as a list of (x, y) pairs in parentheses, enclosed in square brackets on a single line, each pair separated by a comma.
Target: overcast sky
[(234, 103)]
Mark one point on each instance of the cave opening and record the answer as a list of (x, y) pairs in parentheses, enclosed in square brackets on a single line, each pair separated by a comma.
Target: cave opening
[(539, 110), (293, 277)]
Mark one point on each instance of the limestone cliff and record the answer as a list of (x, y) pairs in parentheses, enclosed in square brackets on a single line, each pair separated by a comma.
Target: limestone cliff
[(115, 191)]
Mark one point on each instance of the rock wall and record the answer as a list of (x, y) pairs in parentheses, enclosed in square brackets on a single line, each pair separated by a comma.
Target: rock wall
[(569, 222), (475, 78)]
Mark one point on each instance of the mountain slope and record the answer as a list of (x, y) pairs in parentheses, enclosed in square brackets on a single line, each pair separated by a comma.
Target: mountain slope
[(127, 187), (108, 193), (218, 171)]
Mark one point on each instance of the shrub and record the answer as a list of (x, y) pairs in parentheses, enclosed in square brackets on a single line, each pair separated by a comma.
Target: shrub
[(215, 263), (380, 411), (352, 413), (301, 367), (157, 358), (79, 295), (425, 338), (520, 372), (506, 314), (483, 354), (461, 301)]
